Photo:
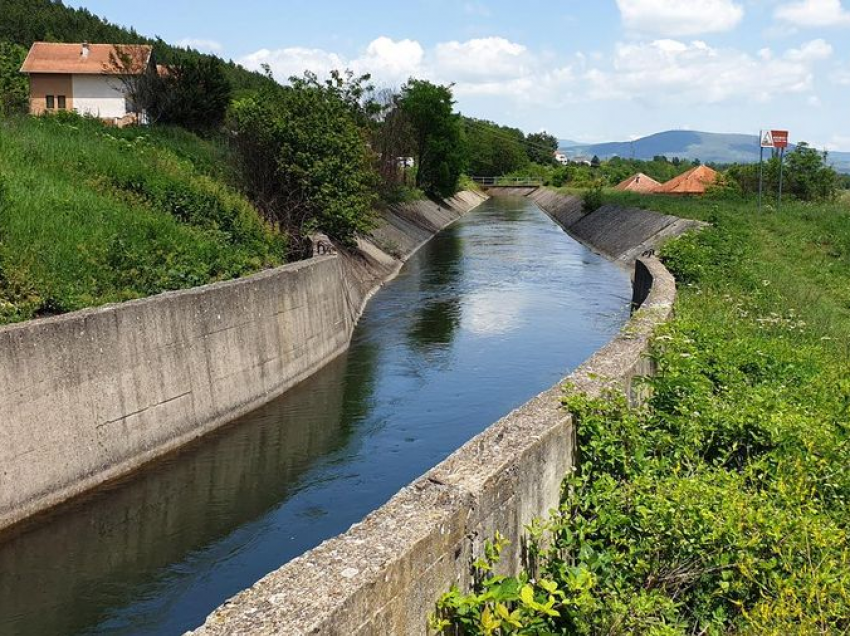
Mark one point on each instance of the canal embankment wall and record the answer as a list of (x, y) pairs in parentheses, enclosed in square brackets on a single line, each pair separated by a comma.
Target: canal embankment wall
[(91, 396), (385, 574)]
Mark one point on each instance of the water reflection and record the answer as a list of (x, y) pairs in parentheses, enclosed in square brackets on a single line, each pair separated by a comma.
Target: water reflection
[(488, 314)]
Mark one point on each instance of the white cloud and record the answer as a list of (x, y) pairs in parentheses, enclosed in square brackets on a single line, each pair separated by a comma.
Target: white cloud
[(661, 72), (483, 66), (693, 73), (287, 62), (200, 44), (390, 60), (813, 13), (810, 52), (679, 18), (483, 58)]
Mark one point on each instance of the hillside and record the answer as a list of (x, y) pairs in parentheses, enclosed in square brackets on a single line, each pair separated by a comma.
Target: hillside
[(689, 144), (26, 21), (134, 213)]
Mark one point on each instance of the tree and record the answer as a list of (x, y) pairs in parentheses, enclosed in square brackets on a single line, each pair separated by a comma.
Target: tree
[(809, 177), (493, 150), (303, 159), (193, 92), (595, 162), (196, 94), (541, 147), (436, 135), (14, 86)]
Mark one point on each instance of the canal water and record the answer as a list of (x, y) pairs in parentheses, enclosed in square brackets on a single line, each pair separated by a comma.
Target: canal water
[(492, 311)]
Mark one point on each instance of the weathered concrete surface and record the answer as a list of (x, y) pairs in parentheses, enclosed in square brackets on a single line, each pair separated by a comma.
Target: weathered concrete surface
[(90, 396), (621, 234), (386, 573)]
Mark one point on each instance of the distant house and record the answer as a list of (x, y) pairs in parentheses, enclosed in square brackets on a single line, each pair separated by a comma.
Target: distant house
[(561, 158), (638, 183), (694, 181), (90, 79)]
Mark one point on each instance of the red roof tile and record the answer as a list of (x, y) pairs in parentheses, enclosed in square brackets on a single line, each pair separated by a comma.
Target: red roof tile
[(51, 57), (694, 181), (638, 183)]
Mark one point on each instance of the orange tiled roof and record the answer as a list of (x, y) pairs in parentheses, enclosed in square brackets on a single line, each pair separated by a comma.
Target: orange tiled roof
[(52, 57), (694, 181), (638, 183)]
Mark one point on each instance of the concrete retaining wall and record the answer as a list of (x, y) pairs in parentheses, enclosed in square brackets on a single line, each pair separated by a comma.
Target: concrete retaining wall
[(386, 573), (621, 234), (90, 396)]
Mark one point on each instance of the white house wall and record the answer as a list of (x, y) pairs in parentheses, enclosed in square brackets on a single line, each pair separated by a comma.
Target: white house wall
[(100, 96)]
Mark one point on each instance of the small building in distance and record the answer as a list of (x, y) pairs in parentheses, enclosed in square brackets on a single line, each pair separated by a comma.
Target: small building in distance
[(694, 181), (638, 183), (561, 158), (90, 79)]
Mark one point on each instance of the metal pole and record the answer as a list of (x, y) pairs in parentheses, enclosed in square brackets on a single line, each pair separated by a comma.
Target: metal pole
[(781, 163), (761, 167)]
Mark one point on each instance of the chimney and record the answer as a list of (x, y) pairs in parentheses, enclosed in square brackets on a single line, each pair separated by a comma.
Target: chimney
[(85, 51)]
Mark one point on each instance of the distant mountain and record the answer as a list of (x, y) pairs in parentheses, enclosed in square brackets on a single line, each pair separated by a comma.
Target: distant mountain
[(688, 144), (568, 143)]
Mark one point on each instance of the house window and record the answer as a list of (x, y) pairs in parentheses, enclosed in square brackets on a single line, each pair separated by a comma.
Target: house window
[(50, 102), (60, 102)]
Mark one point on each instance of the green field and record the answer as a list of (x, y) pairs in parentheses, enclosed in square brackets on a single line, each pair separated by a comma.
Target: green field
[(722, 506), (92, 215)]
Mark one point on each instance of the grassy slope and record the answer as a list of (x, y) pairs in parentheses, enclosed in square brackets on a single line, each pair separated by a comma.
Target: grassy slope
[(91, 215), (722, 507)]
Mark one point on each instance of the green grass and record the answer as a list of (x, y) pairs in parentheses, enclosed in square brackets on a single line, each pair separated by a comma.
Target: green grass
[(723, 505), (92, 215)]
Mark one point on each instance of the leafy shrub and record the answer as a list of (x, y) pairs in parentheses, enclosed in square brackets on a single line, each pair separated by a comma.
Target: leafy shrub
[(592, 198), (302, 158), (721, 505), (14, 86), (429, 109)]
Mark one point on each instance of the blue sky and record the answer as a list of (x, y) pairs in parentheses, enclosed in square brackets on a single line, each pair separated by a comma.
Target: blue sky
[(591, 70)]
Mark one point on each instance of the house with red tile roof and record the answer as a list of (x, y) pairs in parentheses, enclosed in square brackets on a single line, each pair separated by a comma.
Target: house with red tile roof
[(638, 183), (91, 79), (694, 181)]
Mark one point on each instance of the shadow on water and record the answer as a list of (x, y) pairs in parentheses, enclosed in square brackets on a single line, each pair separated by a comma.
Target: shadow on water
[(492, 311), (104, 549)]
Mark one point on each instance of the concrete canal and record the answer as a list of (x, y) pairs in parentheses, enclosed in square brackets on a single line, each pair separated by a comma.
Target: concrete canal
[(493, 310)]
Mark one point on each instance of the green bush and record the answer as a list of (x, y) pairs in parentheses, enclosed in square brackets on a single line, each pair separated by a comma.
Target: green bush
[(14, 86), (302, 157), (721, 505), (437, 136), (591, 198)]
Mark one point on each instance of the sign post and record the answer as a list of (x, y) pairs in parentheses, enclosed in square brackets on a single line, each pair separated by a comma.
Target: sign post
[(780, 142), (776, 140), (765, 141)]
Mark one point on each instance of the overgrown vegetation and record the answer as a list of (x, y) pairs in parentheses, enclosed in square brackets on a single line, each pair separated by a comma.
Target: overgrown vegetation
[(436, 132), (14, 87), (91, 215), (302, 157), (722, 505)]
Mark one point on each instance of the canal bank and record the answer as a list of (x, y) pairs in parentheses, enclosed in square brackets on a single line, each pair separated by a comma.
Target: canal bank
[(490, 312), (384, 575), (91, 396)]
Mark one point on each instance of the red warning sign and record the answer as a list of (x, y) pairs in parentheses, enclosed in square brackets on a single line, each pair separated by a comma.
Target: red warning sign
[(780, 138)]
